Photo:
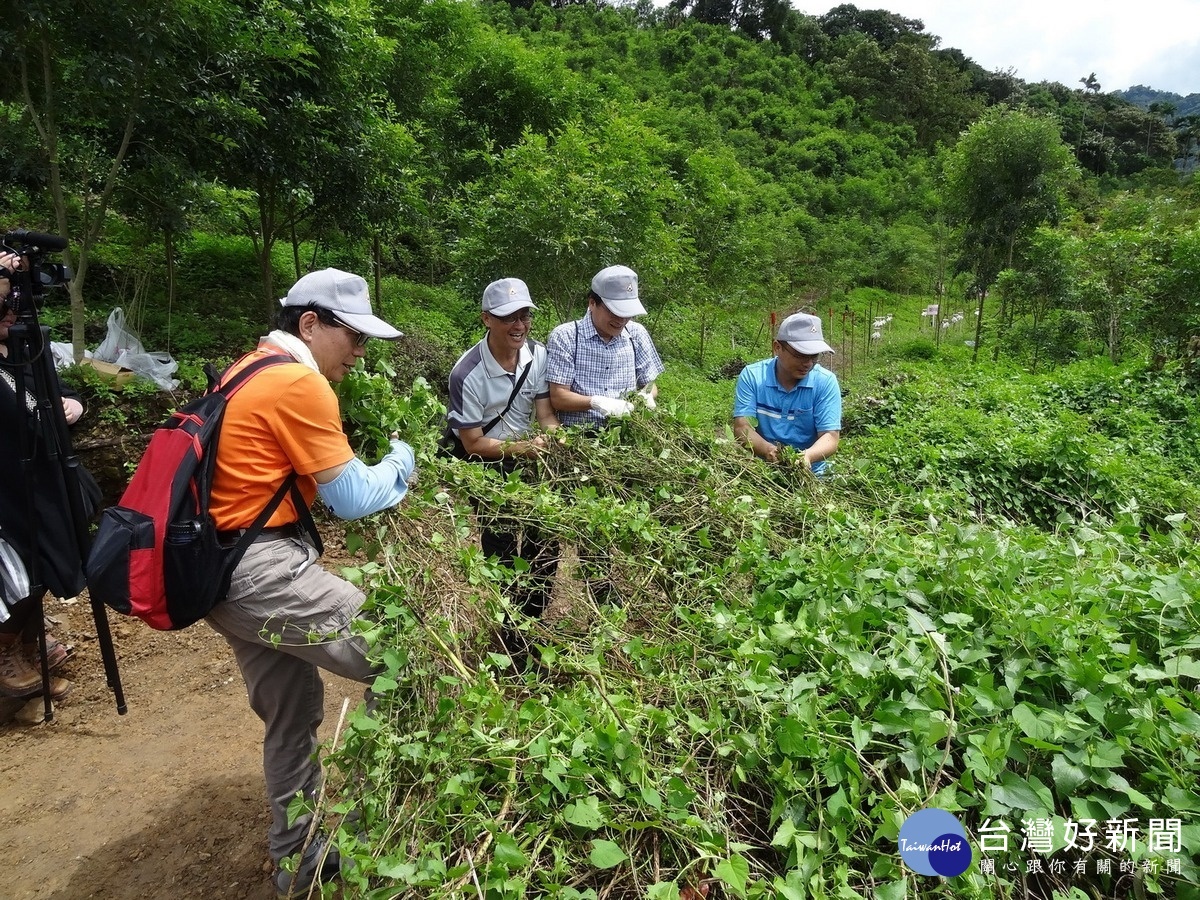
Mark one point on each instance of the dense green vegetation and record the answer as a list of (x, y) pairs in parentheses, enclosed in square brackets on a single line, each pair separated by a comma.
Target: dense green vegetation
[(989, 608)]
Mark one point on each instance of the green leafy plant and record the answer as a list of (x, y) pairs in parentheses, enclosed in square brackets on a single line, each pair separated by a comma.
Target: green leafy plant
[(795, 667)]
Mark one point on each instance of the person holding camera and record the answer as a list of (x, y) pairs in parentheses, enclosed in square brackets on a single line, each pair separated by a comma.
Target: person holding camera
[(285, 616), (60, 571)]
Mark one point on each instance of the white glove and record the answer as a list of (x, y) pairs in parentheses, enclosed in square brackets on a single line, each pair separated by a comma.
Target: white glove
[(648, 399), (611, 406)]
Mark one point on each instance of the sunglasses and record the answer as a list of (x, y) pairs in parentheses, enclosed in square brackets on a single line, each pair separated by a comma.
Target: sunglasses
[(523, 315), (360, 339)]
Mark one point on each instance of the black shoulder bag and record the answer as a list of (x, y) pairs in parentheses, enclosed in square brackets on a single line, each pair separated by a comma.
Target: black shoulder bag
[(451, 444)]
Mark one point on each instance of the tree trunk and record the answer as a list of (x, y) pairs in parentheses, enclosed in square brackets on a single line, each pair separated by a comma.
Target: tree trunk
[(1000, 322), (169, 250), (264, 244), (1037, 335), (46, 125), (377, 267), (267, 275), (978, 327), (295, 249), (1000, 319)]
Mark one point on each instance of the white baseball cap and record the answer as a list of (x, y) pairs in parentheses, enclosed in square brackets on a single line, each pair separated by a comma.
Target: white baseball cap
[(802, 332), (617, 287), (506, 296), (343, 294)]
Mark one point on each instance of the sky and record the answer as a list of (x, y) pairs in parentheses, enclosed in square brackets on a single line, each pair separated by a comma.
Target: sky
[(1150, 42)]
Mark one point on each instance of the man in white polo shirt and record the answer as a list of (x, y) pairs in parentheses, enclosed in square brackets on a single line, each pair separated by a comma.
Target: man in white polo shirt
[(497, 390)]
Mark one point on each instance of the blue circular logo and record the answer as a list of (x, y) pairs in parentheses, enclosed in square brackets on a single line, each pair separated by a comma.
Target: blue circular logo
[(933, 842)]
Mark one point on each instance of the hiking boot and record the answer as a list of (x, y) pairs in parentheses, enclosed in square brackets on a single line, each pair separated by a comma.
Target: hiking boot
[(17, 677), (316, 865), (57, 653), (59, 687)]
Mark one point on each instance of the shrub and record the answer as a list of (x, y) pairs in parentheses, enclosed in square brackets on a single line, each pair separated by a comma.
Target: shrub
[(795, 669), (909, 350)]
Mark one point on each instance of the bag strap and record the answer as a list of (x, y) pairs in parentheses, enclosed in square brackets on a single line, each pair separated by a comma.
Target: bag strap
[(218, 383), (511, 397), (256, 527), (306, 518), (228, 389), (260, 522)]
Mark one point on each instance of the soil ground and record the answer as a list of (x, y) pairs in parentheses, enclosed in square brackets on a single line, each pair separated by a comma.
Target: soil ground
[(165, 801)]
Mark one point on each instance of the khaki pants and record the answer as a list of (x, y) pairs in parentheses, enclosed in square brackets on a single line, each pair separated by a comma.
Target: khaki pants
[(286, 618)]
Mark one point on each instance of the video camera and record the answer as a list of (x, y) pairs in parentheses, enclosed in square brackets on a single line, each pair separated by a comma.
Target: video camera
[(36, 275)]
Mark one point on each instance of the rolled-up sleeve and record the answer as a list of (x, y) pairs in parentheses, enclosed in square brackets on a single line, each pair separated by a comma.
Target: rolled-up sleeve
[(560, 355)]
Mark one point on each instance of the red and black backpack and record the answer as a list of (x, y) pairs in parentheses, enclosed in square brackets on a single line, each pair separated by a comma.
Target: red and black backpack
[(158, 554)]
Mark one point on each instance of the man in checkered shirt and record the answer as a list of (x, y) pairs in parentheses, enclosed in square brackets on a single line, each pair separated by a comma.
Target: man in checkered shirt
[(596, 363)]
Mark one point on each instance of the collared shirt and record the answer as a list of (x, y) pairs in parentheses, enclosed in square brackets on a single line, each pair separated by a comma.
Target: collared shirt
[(585, 362), (480, 388), (794, 417)]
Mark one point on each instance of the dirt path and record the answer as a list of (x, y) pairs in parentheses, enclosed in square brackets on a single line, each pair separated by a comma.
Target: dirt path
[(165, 801)]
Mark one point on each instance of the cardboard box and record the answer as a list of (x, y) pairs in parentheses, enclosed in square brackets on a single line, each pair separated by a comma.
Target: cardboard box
[(116, 376)]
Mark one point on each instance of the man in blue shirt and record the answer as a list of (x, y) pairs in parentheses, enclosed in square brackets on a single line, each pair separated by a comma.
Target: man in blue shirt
[(795, 401)]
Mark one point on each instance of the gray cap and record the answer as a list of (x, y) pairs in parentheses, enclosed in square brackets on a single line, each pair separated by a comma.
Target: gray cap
[(506, 296), (617, 286), (802, 332), (343, 294)]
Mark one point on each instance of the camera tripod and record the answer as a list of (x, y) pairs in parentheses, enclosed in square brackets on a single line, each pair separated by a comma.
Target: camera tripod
[(46, 450)]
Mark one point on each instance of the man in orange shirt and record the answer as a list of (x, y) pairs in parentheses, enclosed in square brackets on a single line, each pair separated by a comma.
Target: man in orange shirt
[(286, 617)]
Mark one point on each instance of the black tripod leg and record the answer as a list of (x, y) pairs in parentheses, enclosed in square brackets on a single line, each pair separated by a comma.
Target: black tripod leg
[(109, 655), (39, 613)]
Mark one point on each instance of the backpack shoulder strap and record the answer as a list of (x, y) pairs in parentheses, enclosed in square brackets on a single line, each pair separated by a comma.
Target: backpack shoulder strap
[(228, 384), (256, 527)]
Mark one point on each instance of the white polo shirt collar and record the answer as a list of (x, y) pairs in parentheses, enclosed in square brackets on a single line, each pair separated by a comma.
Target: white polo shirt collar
[(495, 370)]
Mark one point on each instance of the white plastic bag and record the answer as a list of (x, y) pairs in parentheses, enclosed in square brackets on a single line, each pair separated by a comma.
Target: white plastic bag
[(117, 340), (158, 367), (64, 354)]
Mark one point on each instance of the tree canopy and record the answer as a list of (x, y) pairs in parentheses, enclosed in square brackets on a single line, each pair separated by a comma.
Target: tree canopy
[(740, 146)]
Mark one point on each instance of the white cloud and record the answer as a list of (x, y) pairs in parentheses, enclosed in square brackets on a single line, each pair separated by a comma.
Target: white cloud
[(1151, 42)]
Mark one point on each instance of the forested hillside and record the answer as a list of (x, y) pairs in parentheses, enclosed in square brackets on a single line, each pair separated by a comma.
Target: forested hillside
[(1143, 96), (987, 608), (737, 154)]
